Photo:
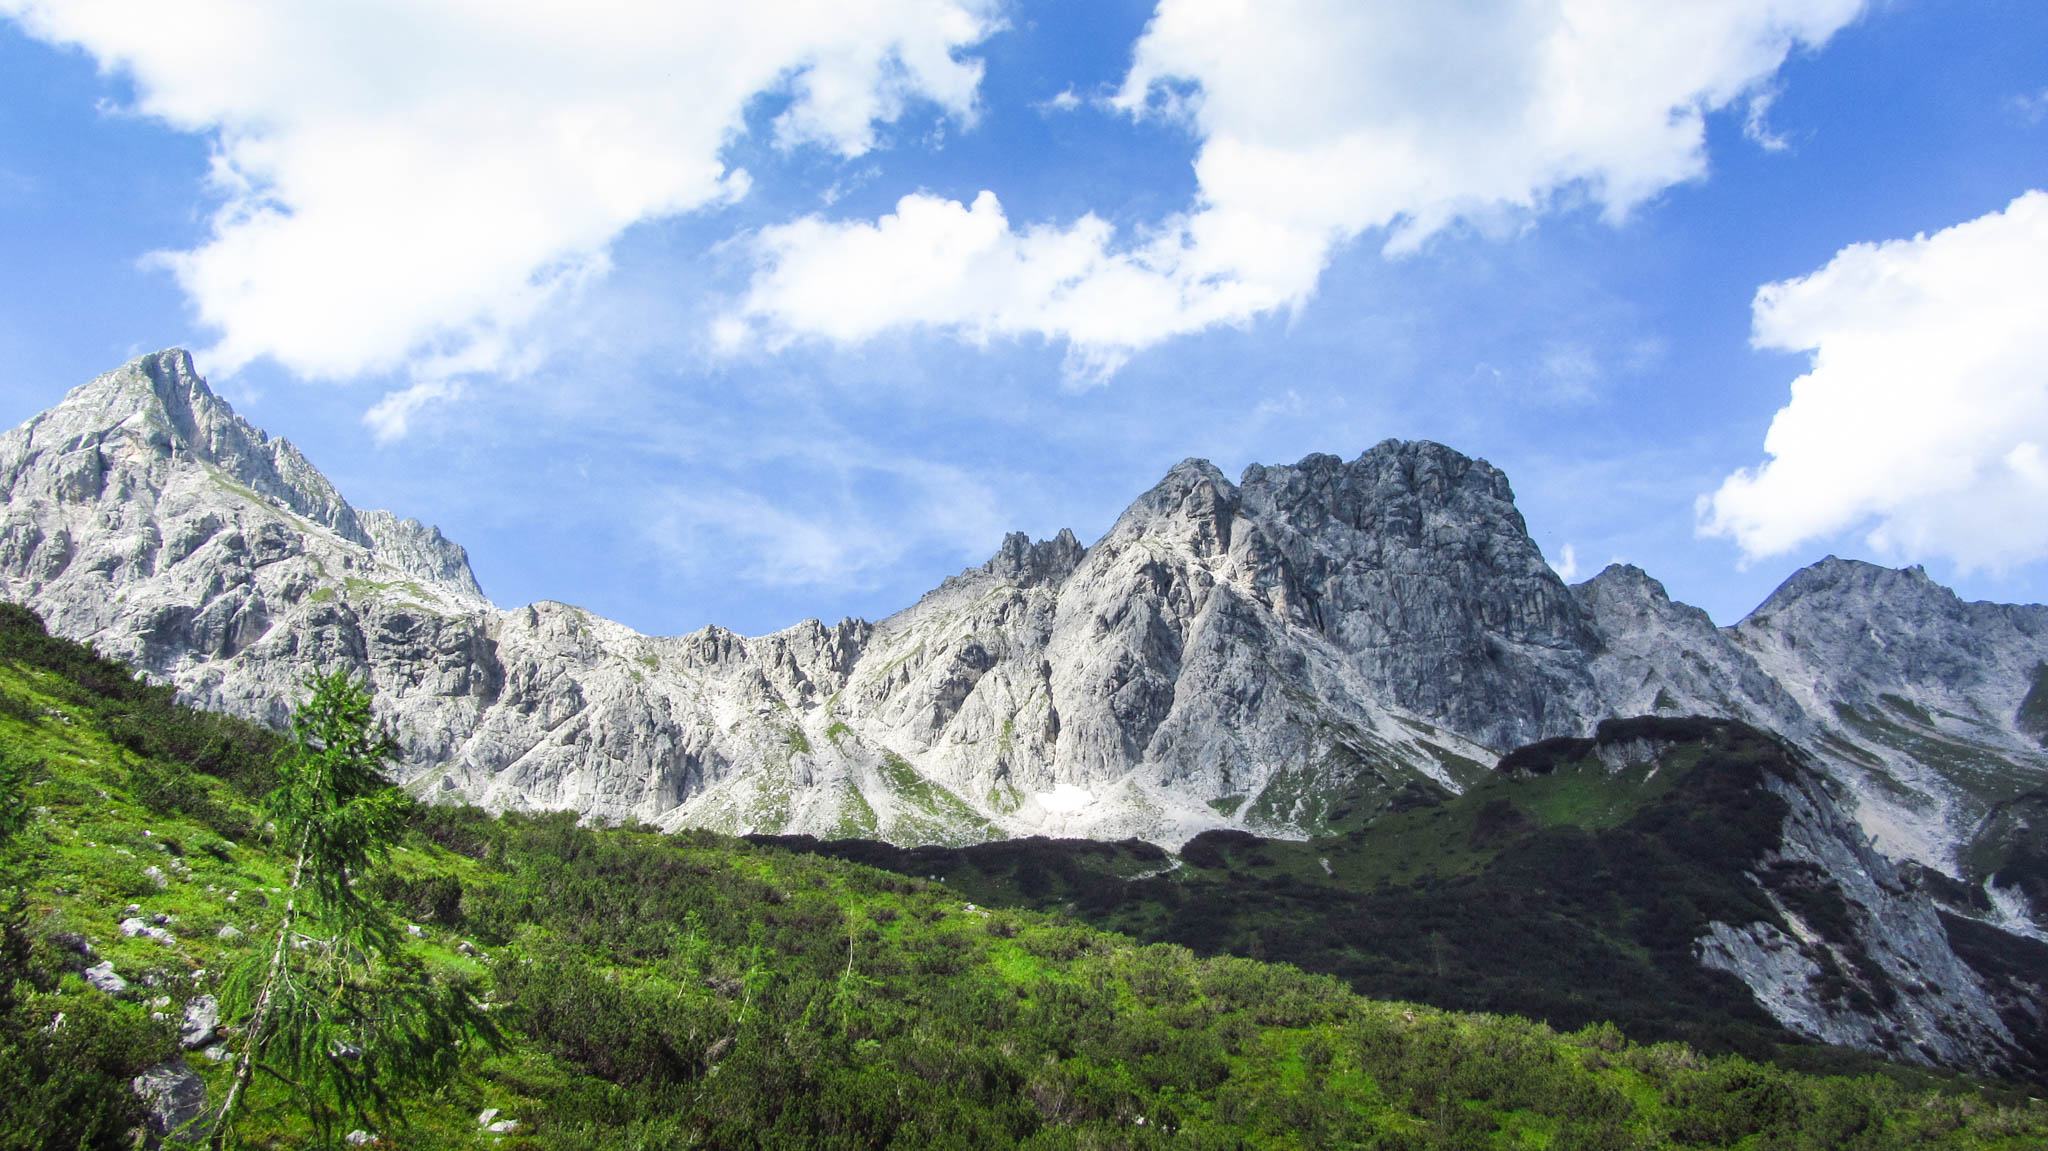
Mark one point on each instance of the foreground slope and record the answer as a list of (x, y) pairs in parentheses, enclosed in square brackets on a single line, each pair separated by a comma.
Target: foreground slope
[(659, 990), (1281, 654)]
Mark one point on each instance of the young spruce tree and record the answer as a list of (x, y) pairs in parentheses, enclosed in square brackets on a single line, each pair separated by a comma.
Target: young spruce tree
[(335, 1010)]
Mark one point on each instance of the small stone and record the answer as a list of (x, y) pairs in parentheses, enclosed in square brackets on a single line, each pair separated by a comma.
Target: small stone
[(132, 909), (156, 875), (503, 1127), (228, 931), (102, 976), (414, 930), (487, 1115), (361, 1138), (202, 1019), (218, 1053), (134, 927)]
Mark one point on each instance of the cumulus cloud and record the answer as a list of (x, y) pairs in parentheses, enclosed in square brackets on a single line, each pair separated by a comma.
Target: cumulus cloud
[(406, 183), (1923, 419), (1319, 121)]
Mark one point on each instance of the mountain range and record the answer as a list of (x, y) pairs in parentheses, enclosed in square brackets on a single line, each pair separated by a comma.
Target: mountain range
[(1302, 652)]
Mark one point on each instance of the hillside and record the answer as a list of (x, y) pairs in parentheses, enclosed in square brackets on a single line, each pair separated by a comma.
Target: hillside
[(1688, 879), (693, 990)]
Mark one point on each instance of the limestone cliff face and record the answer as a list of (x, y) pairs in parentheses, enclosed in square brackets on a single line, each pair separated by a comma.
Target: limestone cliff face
[(1259, 654), (1228, 654)]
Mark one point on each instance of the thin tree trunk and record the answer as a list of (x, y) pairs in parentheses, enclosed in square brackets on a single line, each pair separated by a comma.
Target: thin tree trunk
[(245, 1067)]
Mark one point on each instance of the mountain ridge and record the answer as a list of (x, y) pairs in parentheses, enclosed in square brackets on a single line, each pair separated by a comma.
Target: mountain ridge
[(1309, 650), (1227, 654)]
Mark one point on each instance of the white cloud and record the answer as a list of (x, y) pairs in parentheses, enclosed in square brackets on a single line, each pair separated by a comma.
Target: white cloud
[(1756, 122), (1064, 101), (1567, 563), (1923, 419), (391, 417), (404, 180), (1319, 121)]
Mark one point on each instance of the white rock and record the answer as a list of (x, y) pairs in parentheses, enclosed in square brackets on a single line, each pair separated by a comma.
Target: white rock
[(202, 1020), (102, 976)]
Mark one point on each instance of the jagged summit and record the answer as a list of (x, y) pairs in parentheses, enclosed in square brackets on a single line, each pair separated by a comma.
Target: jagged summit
[(142, 426), (1024, 560)]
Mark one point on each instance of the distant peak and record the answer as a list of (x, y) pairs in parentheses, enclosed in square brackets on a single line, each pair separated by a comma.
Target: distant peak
[(1622, 581), (1194, 470), (1833, 577), (1023, 560)]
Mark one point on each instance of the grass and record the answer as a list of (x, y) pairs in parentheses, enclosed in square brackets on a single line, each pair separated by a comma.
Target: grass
[(928, 812), (695, 990)]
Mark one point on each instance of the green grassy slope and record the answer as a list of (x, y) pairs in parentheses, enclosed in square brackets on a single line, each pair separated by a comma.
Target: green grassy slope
[(1565, 887), (699, 991)]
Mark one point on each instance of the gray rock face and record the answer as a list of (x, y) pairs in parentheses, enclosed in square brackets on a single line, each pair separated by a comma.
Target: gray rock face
[(1248, 654), (1915, 698), (1887, 980), (103, 977)]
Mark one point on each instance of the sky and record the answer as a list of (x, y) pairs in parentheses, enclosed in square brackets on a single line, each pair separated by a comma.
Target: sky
[(696, 313)]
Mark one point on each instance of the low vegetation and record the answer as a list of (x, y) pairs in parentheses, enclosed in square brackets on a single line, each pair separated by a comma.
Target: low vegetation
[(1561, 889), (651, 991)]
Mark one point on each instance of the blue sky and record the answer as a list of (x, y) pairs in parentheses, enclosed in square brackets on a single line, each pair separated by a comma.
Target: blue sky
[(506, 277)]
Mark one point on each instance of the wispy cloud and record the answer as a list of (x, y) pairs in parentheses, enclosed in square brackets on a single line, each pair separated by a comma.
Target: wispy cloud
[(1756, 122), (1566, 565), (2032, 106)]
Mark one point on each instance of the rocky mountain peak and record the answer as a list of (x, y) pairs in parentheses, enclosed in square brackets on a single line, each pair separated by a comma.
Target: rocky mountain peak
[(1194, 502), (1626, 588), (1228, 654), (1834, 580), (155, 413), (1028, 562), (420, 549)]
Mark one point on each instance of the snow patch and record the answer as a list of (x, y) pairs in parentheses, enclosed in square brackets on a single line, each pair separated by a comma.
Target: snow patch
[(1064, 799)]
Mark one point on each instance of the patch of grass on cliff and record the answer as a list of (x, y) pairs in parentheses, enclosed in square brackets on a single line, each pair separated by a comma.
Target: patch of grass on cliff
[(928, 812)]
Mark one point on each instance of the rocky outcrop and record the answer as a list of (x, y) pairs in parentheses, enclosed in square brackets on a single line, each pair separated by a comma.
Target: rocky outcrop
[(1861, 959)]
